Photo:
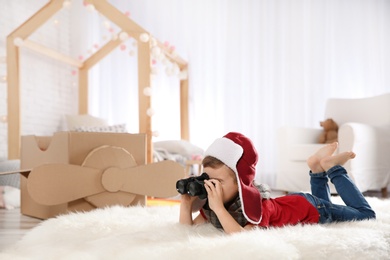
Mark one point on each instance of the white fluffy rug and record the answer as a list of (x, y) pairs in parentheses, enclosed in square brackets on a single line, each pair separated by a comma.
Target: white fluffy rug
[(153, 233)]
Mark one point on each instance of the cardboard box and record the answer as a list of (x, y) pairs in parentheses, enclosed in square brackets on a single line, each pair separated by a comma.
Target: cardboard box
[(72, 148)]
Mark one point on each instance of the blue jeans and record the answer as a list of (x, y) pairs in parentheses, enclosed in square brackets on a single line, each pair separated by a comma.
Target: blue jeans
[(357, 208)]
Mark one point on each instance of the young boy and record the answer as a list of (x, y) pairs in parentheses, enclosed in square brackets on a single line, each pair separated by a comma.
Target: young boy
[(235, 204)]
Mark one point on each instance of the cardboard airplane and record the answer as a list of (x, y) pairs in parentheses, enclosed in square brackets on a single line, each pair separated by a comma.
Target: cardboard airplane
[(108, 175), (73, 171)]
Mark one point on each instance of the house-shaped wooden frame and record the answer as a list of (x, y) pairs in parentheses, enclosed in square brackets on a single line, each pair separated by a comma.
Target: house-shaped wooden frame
[(19, 38)]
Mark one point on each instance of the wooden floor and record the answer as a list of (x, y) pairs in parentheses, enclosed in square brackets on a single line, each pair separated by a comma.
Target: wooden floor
[(13, 226)]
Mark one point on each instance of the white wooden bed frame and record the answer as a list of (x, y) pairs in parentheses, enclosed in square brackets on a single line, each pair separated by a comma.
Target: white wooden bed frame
[(19, 38)]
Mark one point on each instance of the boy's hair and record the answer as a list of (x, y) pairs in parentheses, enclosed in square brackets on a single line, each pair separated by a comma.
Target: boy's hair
[(214, 163)]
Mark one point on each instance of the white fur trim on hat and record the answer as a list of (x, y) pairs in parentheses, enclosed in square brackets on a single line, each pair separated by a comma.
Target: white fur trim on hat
[(226, 151)]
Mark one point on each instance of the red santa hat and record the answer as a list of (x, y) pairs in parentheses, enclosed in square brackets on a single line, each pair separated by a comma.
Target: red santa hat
[(238, 153)]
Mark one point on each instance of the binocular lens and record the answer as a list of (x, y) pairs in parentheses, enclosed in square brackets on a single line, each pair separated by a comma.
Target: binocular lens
[(194, 186), (197, 189), (181, 187)]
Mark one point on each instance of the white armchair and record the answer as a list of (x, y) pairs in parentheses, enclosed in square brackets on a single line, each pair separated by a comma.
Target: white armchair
[(364, 127)]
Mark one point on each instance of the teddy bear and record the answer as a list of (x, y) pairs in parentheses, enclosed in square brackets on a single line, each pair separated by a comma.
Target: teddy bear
[(329, 134)]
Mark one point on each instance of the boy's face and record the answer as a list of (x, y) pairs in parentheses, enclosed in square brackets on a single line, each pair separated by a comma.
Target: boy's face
[(227, 178)]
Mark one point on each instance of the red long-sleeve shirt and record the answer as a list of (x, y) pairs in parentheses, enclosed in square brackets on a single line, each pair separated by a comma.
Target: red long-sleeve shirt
[(288, 210)]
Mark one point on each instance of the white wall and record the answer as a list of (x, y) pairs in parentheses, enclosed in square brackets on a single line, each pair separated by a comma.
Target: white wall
[(48, 88)]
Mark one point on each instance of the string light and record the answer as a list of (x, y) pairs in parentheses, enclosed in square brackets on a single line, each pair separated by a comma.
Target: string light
[(4, 119), (150, 112), (66, 3), (107, 24), (147, 91), (90, 7), (3, 79), (153, 41), (144, 37), (156, 52), (123, 36)]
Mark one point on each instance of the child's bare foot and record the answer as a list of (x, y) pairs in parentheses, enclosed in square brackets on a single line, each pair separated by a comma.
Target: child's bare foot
[(339, 159), (314, 161)]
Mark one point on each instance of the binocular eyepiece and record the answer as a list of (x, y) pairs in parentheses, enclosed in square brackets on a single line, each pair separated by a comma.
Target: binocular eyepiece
[(193, 186)]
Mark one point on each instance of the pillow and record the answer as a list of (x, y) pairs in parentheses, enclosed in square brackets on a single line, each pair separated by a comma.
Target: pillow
[(109, 129), (182, 147), (73, 121)]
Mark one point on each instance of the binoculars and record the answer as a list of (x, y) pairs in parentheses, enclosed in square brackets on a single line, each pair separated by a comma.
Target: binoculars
[(193, 186)]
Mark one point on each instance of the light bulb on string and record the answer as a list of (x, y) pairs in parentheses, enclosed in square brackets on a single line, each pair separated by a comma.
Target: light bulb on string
[(150, 112), (114, 36), (106, 24), (161, 56), (156, 51), (144, 37), (123, 36), (4, 119), (3, 79), (66, 3), (153, 42), (90, 8), (148, 91)]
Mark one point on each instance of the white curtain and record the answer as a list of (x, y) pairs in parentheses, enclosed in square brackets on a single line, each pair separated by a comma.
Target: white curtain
[(254, 65)]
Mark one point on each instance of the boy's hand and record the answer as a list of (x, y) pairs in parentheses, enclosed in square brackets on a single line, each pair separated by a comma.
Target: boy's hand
[(187, 199), (186, 206), (215, 197), (214, 194)]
